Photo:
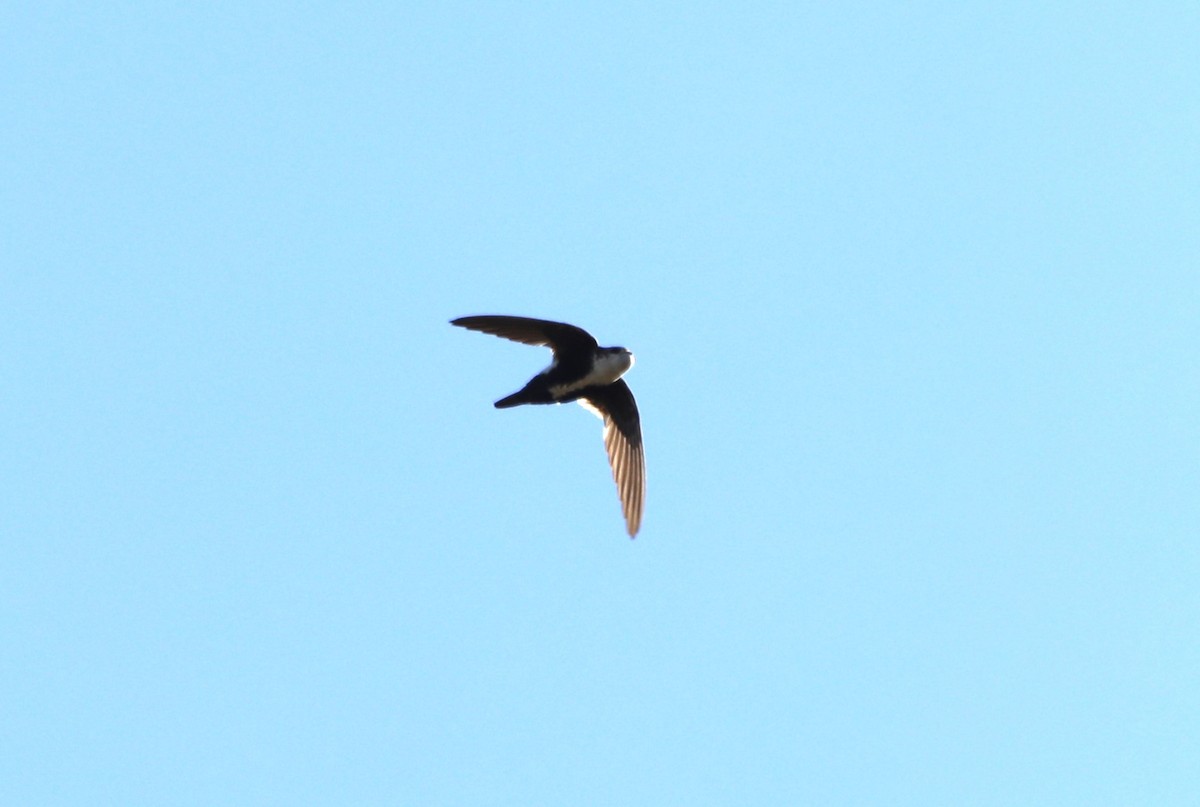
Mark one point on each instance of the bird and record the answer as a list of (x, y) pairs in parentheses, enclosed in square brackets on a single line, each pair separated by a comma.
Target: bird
[(582, 371)]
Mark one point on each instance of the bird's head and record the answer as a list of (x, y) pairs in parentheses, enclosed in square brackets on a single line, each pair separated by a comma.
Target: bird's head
[(623, 353), (612, 363)]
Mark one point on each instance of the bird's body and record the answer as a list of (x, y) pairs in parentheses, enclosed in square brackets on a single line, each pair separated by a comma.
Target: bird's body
[(569, 379), (585, 372)]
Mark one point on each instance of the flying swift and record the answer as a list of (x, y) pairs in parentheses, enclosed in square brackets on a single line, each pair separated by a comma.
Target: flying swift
[(582, 371)]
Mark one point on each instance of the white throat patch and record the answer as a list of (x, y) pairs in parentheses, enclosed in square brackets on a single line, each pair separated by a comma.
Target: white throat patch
[(609, 367)]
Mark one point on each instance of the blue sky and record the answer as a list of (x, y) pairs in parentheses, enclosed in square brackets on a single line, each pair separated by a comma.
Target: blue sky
[(913, 291)]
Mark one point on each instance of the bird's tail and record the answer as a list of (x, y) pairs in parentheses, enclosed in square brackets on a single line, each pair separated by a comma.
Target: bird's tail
[(516, 399), (532, 394)]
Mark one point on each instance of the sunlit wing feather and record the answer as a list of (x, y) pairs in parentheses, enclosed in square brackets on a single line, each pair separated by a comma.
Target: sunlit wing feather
[(614, 403)]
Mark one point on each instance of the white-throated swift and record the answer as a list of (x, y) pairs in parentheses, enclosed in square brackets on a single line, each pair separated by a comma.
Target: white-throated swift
[(582, 371)]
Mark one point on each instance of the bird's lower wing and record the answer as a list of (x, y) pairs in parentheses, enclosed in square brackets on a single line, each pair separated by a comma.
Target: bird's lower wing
[(614, 403)]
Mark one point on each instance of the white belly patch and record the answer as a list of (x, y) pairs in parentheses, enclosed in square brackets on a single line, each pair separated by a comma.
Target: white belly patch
[(608, 368)]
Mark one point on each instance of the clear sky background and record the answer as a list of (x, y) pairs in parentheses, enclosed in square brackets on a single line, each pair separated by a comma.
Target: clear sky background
[(914, 291)]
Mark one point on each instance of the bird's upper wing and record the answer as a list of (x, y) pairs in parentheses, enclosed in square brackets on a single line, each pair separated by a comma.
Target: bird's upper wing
[(623, 442), (557, 336)]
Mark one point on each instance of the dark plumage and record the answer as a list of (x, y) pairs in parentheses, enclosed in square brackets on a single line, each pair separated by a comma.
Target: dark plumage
[(585, 372)]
